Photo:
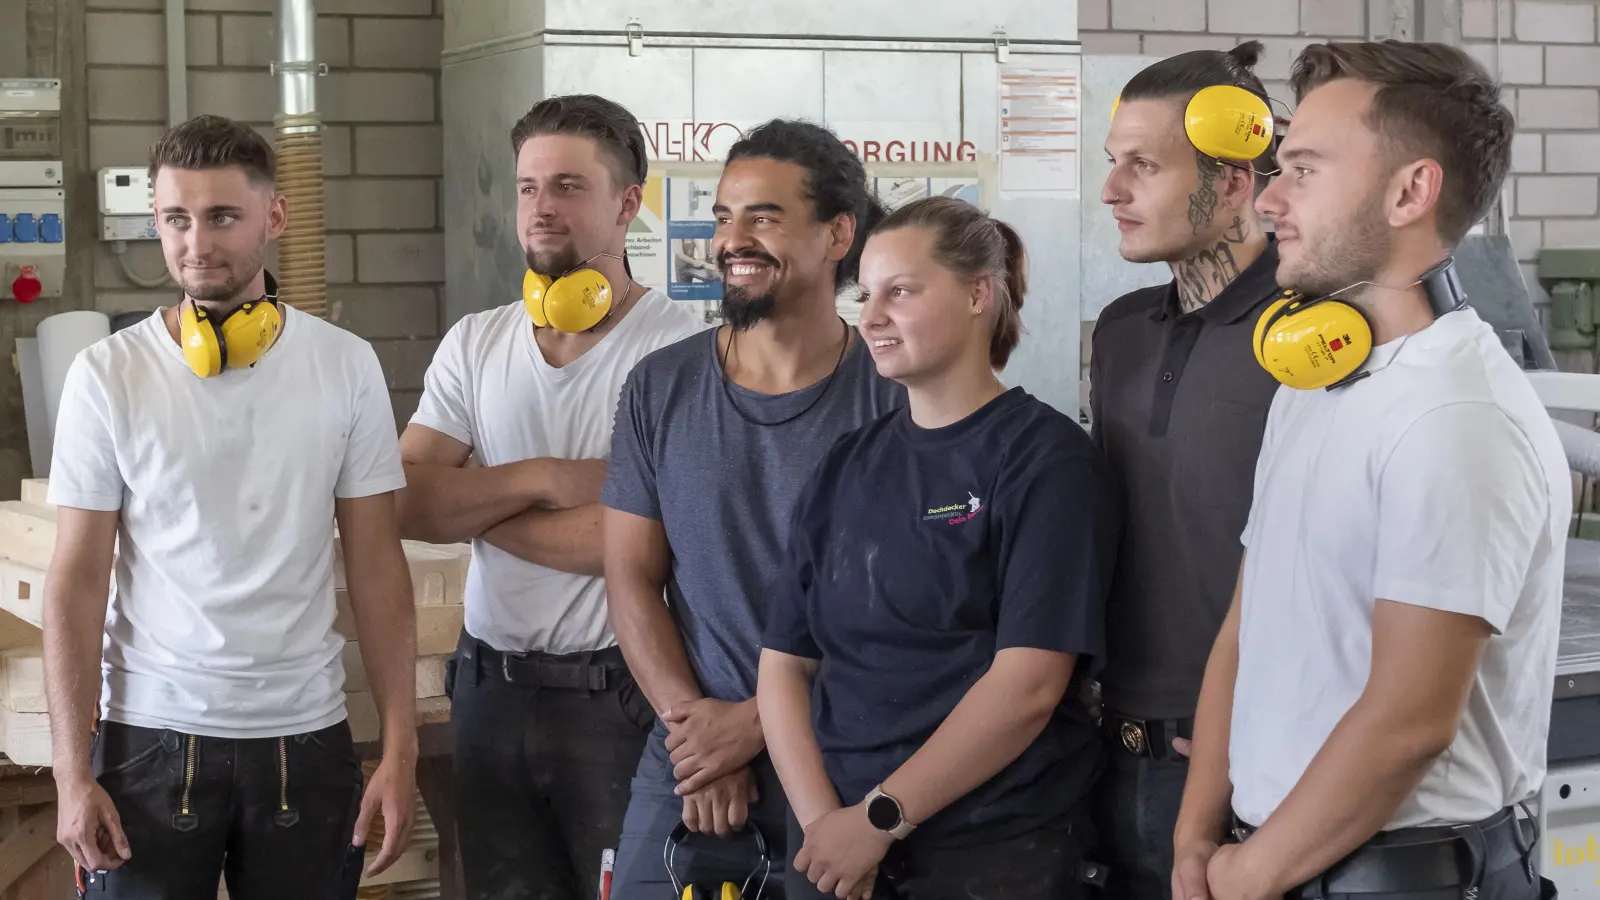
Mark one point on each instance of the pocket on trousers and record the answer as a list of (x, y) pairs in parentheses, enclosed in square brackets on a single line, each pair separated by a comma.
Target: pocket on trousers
[(636, 708), (333, 744), (117, 749)]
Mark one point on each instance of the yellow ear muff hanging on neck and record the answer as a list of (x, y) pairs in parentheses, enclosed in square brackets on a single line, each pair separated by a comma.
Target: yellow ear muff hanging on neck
[(234, 340), (1309, 344), (1228, 122), (533, 287), (575, 302)]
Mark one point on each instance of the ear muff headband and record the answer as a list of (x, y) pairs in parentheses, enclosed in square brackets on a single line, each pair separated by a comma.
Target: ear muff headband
[(235, 340), (728, 890), (1225, 121), (573, 303)]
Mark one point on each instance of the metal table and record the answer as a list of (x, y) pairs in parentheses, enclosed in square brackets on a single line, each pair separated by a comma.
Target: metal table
[(1569, 801)]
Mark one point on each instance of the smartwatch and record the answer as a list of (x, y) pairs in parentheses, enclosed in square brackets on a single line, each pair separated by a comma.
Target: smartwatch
[(883, 811)]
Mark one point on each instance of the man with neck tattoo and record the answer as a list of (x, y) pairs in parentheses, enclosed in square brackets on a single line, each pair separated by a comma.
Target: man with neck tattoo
[(1178, 406)]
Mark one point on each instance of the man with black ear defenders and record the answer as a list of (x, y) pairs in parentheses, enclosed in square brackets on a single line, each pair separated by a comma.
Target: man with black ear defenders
[(1178, 408), (197, 716), (1376, 706), (549, 723)]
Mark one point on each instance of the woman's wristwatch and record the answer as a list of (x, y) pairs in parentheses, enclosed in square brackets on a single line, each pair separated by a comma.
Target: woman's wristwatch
[(883, 811)]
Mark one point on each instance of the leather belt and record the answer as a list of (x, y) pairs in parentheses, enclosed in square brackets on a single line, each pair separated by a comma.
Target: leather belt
[(1424, 859), (1148, 738), (590, 671)]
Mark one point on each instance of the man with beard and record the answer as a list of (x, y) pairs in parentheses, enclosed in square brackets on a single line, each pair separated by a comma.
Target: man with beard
[(1178, 406), (715, 436), (1378, 700), (209, 451), (548, 722)]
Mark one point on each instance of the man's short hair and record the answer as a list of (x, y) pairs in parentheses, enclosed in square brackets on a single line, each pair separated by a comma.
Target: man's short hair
[(1433, 101), (215, 142), (605, 122)]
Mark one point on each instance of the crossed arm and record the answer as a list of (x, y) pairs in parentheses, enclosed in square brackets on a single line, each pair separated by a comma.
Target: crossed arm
[(543, 510)]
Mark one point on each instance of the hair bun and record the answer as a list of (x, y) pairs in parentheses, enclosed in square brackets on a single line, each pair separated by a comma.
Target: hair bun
[(1248, 53)]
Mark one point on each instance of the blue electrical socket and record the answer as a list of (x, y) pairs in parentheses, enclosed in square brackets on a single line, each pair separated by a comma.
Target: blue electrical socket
[(50, 229), (5, 229), (26, 230)]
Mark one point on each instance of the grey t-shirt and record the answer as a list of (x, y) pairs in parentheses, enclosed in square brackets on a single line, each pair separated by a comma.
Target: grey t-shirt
[(725, 488)]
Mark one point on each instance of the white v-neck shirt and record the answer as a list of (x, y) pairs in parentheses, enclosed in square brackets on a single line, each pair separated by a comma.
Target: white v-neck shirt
[(491, 388), (1438, 481), (221, 621)]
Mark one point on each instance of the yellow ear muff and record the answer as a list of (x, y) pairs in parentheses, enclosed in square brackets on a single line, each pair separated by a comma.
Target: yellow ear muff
[(1311, 344), (236, 340), (577, 302), (572, 303), (730, 891), (534, 286), (1228, 122), (198, 338)]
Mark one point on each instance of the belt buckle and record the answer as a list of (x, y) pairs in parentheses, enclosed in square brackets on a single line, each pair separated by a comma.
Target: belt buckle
[(1134, 735), (505, 665)]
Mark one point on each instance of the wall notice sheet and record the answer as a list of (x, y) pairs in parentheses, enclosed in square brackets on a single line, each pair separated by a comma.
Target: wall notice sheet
[(692, 272), (1039, 106), (647, 237)]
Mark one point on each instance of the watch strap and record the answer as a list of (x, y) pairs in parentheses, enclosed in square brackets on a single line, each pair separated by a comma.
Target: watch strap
[(903, 829)]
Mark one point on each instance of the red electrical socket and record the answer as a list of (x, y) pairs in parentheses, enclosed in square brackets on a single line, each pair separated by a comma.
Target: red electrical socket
[(27, 287)]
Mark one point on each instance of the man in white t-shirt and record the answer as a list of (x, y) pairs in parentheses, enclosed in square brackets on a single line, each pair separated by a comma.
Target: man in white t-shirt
[(1377, 703), (549, 723), (207, 453)]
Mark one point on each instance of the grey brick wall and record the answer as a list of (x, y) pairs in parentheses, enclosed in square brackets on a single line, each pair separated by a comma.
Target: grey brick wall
[(1546, 53), (382, 150)]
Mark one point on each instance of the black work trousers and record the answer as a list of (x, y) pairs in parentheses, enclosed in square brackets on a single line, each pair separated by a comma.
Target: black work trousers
[(1044, 864), (275, 816), (541, 771)]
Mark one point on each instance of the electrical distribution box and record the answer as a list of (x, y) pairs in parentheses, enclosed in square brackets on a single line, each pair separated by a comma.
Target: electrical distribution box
[(32, 229), (127, 200)]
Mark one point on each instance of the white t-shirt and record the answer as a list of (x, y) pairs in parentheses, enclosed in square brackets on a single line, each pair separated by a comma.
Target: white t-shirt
[(490, 387), (221, 622), (1437, 481)]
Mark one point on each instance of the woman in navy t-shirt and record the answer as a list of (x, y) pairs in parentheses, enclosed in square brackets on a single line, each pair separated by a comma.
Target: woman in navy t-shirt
[(943, 593)]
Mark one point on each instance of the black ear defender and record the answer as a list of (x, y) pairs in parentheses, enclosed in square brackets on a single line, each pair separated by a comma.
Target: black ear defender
[(689, 889)]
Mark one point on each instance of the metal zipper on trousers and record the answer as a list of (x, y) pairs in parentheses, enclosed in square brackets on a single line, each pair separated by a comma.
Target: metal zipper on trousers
[(186, 820), (285, 816)]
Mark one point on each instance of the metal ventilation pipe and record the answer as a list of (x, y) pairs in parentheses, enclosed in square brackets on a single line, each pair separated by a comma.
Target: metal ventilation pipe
[(302, 253)]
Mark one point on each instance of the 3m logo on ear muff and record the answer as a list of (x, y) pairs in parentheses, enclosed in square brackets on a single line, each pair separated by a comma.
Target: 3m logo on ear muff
[(235, 340), (1311, 343), (1225, 121)]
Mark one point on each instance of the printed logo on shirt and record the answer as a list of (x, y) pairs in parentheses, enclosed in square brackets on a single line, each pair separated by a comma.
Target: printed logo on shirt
[(956, 513)]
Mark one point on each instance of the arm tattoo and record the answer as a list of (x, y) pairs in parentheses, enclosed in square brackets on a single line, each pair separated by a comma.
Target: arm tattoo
[(1203, 202)]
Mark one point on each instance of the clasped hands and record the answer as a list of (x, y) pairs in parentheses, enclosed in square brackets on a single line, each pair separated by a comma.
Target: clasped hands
[(711, 743), (1204, 871)]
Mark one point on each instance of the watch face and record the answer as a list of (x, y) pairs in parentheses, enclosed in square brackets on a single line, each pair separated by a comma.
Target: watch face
[(883, 813)]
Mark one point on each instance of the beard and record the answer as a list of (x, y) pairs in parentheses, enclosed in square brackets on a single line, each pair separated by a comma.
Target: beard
[(553, 263), (741, 308), (239, 277), (1347, 254)]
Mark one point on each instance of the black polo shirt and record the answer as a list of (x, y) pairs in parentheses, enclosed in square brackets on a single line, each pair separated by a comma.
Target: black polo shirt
[(915, 555), (1179, 404)]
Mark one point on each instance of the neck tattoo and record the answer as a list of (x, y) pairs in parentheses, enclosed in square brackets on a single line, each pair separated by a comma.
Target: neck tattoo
[(1202, 277)]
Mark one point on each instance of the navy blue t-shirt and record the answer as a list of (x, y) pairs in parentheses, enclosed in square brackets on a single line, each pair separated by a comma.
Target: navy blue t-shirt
[(917, 554)]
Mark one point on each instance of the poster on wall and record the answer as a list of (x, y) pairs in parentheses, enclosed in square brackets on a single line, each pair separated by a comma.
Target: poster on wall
[(692, 271), (1039, 109), (647, 237), (900, 191)]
